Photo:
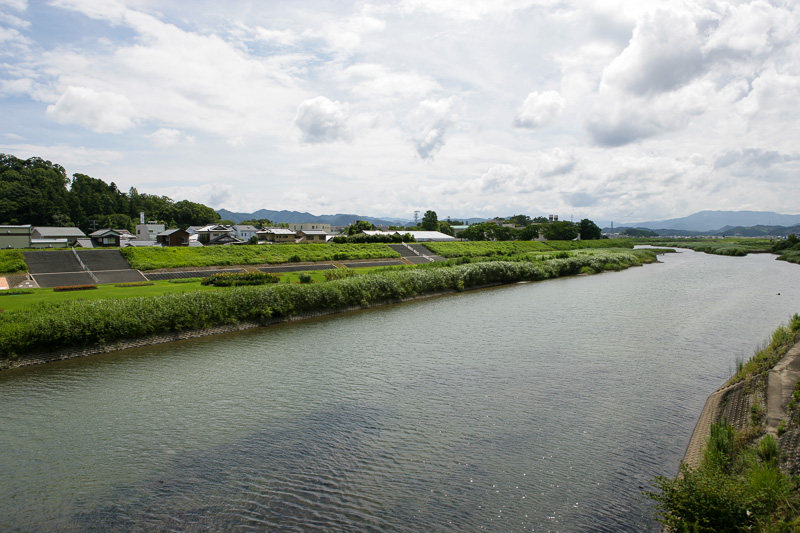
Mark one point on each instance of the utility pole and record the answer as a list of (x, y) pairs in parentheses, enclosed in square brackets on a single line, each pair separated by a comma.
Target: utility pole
[(416, 218)]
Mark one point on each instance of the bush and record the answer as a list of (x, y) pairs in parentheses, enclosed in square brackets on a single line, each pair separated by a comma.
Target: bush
[(12, 261), (240, 279), (68, 288), (134, 284), (305, 278), (12, 292)]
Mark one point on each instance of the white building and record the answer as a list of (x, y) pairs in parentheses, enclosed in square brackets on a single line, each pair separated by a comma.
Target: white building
[(149, 231)]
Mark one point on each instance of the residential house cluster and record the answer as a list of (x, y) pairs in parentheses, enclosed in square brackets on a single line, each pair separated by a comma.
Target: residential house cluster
[(154, 234)]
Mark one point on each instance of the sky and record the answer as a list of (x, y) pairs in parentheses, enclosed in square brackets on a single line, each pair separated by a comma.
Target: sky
[(613, 110)]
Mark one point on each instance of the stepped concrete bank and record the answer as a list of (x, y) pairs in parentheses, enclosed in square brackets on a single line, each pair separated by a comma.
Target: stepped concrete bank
[(735, 402)]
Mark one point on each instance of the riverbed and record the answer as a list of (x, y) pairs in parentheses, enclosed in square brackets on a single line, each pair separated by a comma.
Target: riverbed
[(542, 406)]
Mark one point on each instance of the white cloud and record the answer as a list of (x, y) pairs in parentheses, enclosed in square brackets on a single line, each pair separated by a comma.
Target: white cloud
[(169, 137), (663, 55), (370, 80), (102, 112), (19, 5), (435, 117), (321, 120), (471, 9), (540, 109)]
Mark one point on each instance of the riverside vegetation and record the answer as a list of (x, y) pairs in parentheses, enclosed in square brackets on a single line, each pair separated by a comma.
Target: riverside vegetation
[(79, 323), (787, 249), (739, 485)]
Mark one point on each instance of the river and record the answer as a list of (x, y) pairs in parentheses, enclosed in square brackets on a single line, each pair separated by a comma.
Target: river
[(545, 406)]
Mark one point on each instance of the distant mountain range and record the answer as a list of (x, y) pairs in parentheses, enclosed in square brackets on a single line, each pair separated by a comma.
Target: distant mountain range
[(718, 221), (745, 223), (288, 217)]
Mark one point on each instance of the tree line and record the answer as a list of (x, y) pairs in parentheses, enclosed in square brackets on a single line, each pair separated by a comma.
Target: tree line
[(524, 228), (37, 192)]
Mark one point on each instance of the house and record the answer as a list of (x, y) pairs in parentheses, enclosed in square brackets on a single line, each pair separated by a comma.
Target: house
[(48, 232), (277, 235), (15, 236), (312, 226), (173, 237), (212, 232), (105, 237), (312, 236), (148, 232), (244, 232)]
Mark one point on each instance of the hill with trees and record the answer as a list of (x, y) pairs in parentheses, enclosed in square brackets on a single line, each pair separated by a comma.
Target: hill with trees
[(38, 192)]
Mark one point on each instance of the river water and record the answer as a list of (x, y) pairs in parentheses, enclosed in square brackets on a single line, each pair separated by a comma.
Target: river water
[(546, 406)]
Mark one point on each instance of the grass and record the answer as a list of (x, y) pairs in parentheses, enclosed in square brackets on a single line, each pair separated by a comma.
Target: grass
[(770, 353), (48, 320), (729, 246), (510, 248), (181, 257), (12, 262)]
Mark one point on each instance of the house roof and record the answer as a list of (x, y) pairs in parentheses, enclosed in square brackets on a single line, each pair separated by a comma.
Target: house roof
[(141, 244), (428, 235), (278, 231), (213, 227), (52, 232), (103, 232), (85, 243), (170, 232), (313, 232), (225, 239), (246, 227)]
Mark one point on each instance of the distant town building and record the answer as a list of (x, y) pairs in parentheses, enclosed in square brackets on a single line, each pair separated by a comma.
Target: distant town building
[(304, 226), (149, 231)]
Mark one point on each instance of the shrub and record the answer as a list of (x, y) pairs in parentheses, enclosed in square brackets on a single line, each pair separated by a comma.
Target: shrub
[(12, 292), (184, 280), (305, 278), (12, 261), (134, 284), (239, 279), (68, 288)]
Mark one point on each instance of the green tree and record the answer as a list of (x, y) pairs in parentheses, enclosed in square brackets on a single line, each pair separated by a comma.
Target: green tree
[(529, 233), (520, 220), (446, 228), (358, 227), (188, 213), (430, 222), (588, 230), (560, 231)]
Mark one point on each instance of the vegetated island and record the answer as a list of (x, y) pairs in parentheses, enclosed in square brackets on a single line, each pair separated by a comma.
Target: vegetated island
[(740, 471), (52, 330), (787, 249)]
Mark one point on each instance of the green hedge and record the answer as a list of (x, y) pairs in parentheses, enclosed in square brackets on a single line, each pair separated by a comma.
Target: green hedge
[(180, 257), (89, 322), (508, 248), (12, 261)]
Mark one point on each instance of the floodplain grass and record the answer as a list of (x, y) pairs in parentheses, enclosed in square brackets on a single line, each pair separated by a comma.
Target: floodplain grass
[(729, 246), (71, 322), (769, 353), (182, 257), (507, 248)]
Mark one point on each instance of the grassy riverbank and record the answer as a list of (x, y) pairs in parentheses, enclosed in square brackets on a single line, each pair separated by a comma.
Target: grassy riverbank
[(740, 485), (730, 246), (182, 257), (76, 323)]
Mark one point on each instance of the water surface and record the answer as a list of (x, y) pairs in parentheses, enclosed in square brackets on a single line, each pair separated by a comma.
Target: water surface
[(545, 406)]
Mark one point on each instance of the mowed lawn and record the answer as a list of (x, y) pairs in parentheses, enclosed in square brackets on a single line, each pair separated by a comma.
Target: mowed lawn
[(12, 302)]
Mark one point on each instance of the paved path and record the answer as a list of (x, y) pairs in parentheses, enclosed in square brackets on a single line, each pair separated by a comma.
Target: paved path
[(3, 283)]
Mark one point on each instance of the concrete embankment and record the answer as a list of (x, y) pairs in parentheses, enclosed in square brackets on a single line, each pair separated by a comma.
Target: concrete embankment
[(735, 402)]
